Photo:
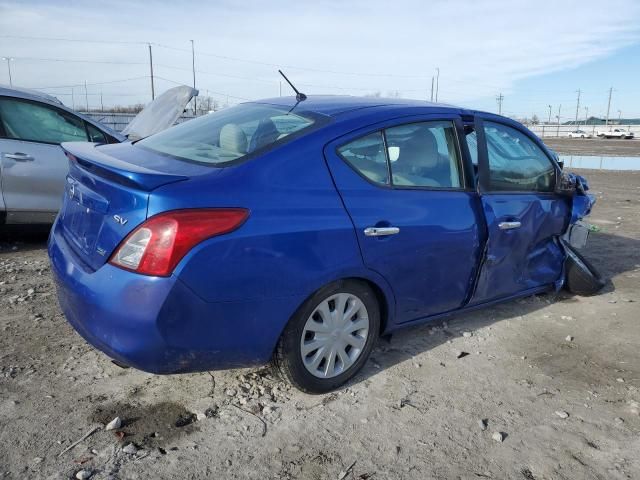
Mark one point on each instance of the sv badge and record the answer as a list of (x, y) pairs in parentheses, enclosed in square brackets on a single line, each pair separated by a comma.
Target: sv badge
[(120, 220)]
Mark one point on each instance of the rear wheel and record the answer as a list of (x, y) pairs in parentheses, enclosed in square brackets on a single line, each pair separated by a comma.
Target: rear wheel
[(330, 337)]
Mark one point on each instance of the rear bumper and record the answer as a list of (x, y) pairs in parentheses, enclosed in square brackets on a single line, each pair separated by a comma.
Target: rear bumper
[(158, 324)]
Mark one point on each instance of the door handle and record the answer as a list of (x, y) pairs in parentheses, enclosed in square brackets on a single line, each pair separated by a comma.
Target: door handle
[(509, 225), (19, 156), (380, 231)]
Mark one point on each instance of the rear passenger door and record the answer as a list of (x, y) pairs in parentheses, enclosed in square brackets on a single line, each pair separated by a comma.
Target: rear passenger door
[(33, 164), (415, 214), (524, 215)]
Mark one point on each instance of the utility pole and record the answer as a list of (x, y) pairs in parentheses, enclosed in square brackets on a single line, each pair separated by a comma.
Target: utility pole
[(499, 99), (101, 103), (73, 99), (86, 95), (586, 115), (577, 106), (9, 60), (558, 117), (437, 82), (606, 122), (280, 87), (193, 67), (432, 80), (549, 122), (153, 90)]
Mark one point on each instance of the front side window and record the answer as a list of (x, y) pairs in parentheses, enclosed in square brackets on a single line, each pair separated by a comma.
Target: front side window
[(229, 134), (421, 154), (472, 144), (516, 163), (95, 135), (23, 120)]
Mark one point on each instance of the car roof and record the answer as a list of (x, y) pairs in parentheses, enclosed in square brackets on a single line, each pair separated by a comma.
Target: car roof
[(334, 105), (28, 94)]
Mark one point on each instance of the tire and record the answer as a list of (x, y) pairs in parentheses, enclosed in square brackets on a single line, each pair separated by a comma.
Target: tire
[(288, 356), (581, 277)]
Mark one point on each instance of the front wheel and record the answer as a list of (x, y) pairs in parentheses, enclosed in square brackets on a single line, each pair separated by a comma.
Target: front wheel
[(330, 337)]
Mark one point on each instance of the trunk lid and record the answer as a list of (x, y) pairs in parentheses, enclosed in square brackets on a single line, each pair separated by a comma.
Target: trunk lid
[(106, 194)]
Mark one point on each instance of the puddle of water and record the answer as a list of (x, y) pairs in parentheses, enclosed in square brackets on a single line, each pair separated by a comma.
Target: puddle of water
[(601, 163)]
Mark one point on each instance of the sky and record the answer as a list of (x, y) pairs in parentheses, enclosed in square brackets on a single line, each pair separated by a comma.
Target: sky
[(535, 54)]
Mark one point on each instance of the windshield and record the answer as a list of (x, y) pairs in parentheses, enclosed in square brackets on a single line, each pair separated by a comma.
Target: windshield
[(229, 134)]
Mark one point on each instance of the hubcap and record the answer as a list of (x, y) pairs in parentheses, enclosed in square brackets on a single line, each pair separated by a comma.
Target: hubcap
[(334, 335)]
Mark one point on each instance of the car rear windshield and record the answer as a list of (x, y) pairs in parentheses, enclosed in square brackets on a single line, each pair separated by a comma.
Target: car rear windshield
[(231, 134)]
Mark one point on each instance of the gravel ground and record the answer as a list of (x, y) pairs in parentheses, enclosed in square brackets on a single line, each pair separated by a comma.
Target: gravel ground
[(595, 146), (549, 390)]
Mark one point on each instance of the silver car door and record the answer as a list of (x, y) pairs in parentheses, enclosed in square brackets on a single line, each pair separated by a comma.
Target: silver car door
[(33, 164), (32, 180)]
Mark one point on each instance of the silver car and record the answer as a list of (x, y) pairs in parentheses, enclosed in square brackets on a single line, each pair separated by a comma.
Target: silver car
[(32, 164)]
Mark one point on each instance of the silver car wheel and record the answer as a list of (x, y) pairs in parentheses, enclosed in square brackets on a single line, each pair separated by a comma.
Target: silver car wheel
[(334, 335)]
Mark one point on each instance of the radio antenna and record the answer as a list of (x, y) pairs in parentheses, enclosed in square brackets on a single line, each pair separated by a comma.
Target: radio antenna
[(299, 95)]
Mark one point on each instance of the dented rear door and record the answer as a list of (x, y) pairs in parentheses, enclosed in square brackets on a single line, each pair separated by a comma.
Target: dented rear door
[(524, 215)]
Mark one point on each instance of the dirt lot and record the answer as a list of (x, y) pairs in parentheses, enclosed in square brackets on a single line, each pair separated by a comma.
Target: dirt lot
[(558, 376), (595, 146)]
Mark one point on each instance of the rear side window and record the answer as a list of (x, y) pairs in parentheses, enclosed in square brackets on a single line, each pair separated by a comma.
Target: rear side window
[(230, 134), (24, 120), (423, 154), (367, 156), (516, 163)]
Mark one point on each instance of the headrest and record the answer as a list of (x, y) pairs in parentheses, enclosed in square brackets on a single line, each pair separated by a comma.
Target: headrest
[(421, 150), (233, 138)]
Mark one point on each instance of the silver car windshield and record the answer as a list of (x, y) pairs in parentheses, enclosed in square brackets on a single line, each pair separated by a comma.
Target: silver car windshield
[(230, 134)]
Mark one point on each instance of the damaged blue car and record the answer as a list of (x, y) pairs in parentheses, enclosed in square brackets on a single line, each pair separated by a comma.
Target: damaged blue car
[(298, 232)]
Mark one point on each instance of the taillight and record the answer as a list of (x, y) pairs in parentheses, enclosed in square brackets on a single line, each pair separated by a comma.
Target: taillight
[(157, 245)]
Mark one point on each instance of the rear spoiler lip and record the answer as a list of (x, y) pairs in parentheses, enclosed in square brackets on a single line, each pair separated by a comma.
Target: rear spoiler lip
[(91, 159)]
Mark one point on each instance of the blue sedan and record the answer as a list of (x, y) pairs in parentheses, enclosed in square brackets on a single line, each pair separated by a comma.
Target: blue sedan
[(299, 232)]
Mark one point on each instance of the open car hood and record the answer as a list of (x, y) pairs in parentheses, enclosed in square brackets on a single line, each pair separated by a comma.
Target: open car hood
[(161, 113)]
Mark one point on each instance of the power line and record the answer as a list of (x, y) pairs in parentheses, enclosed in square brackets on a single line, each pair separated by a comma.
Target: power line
[(203, 72), (224, 57), (210, 91), (90, 84), (70, 60), (60, 39)]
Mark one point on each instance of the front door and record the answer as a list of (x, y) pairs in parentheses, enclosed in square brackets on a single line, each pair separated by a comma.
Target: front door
[(524, 215), (33, 165), (415, 215)]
